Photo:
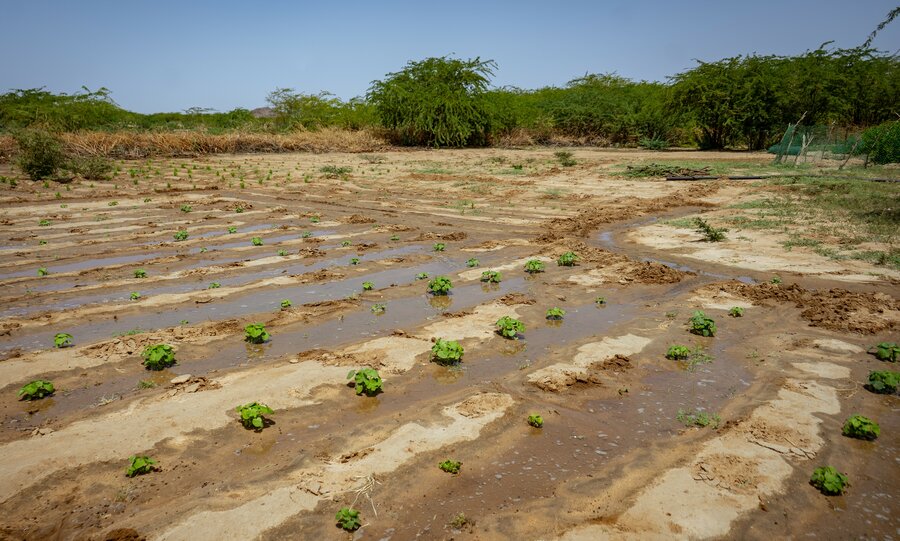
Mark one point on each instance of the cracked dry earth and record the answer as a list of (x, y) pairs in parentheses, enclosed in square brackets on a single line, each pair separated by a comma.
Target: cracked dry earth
[(611, 461)]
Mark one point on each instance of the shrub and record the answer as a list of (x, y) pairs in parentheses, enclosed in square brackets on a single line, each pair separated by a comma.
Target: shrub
[(887, 351), (140, 273), (699, 419), (863, 428), (40, 154), (678, 353), (702, 325), (653, 144), (366, 381), (555, 313), (256, 241), (509, 327), (180, 235), (92, 167), (255, 333), (472, 262), (568, 259), (450, 466), (710, 233), (140, 465), (440, 285), (565, 158), (446, 351), (829, 481), (490, 276), (884, 382), (368, 286), (348, 519), (736, 311), (158, 357), (62, 340), (882, 142), (252, 415), (534, 265), (36, 390), (536, 420)]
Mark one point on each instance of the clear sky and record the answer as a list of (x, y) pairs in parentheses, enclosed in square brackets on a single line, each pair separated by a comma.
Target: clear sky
[(167, 55)]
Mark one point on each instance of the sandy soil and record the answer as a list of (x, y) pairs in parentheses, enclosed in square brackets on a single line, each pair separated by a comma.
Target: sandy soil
[(612, 461)]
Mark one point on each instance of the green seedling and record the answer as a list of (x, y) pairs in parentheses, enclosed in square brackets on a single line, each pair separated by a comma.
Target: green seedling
[(42, 271), (214, 285), (555, 313), (394, 237), (44, 223), (140, 465), (775, 280), (438, 247), (536, 420), (186, 208), (135, 295), (285, 304), (710, 233), (829, 481), (886, 351), (446, 351), (203, 249), (678, 353), (36, 390), (146, 384), (884, 382), (306, 234), (859, 427), (702, 325), (255, 333), (568, 259), (354, 261), (440, 285), (422, 276), (256, 241), (240, 209), (232, 230), (509, 327), (180, 235), (736, 311), (314, 219), (378, 308), (600, 300), (450, 466), (473, 262), (158, 356), (348, 519), (368, 286), (366, 380), (42, 243), (252, 415), (492, 277), (140, 273), (533, 266), (698, 418), (283, 253), (62, 340), (345, 243)]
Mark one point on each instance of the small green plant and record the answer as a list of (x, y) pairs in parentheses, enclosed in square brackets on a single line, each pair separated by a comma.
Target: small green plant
[(378, 308), (536, 420), (255, 333), (533, 266), (473, 262), (829, 481), (256, 241), (556, 313), (568, 259), (863, 428), (883, 382), (314, 219), (776, 280), (438, 247), (333, 171), (306, 234), (446, 351), (146, 384), (736, 311), (702, 325), (44, 223), (678, 353), (232, 230), (699, 419), (440, 285), (565, 158), (366, 381), (214, 285), (140, 465), (422, 276), (348, 519), (886, 351), (283, 253), (158, 356), (368, 286), (710, 233), (180, 235), (140, 273), (354, 261), (36, 390), (62, 340), (252, 415), (345, 243), (509, 327), (134, 295), (285, 304), (450, 466), (42, 271), (240, 209), (600, 301), (394, 237), (491, 276), (186, 208)]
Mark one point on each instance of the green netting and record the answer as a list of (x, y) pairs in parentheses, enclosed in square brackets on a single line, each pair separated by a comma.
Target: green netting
[(814, 142)]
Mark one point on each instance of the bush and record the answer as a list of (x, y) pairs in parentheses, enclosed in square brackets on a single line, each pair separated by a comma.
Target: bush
[(863, 428), (40, 154), (653, 144), (829, 481), (882, 142), (92, 168)]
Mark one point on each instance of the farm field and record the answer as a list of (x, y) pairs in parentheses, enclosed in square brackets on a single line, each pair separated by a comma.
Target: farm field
[(188, 252)]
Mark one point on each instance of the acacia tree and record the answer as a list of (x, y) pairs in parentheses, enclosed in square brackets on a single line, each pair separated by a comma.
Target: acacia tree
[(437, 102)]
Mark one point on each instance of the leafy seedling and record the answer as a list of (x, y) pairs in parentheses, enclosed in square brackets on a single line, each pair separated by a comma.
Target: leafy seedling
[(702, 325), (36, 390), (134, 295), (306, 234), (883, 382), (600, 301), (232, 230), (348, 519), (255, 333), (710, 233), (368, 286), (886, 351), (509, 327), (775, 280), (366, 381), (422, 276), (438, 247), (283, 253), (450, 466), (186, 208), (556, 314), (214, 285), (491, 277), (158, 356), (180, 235), (829, 481), (256, 241), (736, 311), (345, 243), (568, 259), (440, 285), (354, 261), (859, 427), (44, 223), (678, 353), (140, 273), (446, 351), (252, 415), (140, 465), (378, 308), (285, 304), (534, 266), (62, 340), (536, 420), (314, 219), (698, 418), (394, 237), (42, 271), (473, 262)]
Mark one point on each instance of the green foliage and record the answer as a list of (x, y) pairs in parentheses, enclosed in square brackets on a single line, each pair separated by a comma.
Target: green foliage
[(42, 271), (333, 171), (555, 313), (40, 154), (368, 286), (348, 519), (36, 390), (568, 259), (306, 234), (600, 300), (366, 380), (700, 419), (829, 481), (446, 351), (140, 465), (565, 158), (422, 276), (776, 280), (44, 223), (473, 262), (438, 102), (252, 415), (214, 285), (93, 168), (282, 253), (378, 308), (255, 333), (354, 261), (440, 285), (491, 277), (710, 233), (702, 325), (736, 311), (450, 466), (285, 304), (314, 219), (438, 247), (62, 340), (882, 142), (134, 296), (536, 420), (509, 327), (863, 428), (256, 241), (186, 208), (180, 235), (883, 382), (534, 265), (345, 243), (140, 273), (678, 353), (158, 356), (887, 351), (394, 237)]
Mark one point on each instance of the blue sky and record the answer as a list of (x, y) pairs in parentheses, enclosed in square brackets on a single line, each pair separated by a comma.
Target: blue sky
[(167, 55)]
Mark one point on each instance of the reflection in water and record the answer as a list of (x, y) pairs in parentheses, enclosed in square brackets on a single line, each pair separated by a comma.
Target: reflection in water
[(367, 404), (36, 406), (440, 302), (447, 374), (489, 287), (511, 347), (256, 352), (554, 322)]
